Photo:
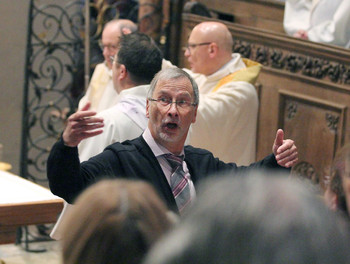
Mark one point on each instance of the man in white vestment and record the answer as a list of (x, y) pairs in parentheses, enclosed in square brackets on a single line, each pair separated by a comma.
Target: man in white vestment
[(324, 21), (101, 93), (136, 63), (228, 110)]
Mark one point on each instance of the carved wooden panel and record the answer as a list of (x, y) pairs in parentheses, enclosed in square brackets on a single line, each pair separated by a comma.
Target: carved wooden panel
[(317, 128)]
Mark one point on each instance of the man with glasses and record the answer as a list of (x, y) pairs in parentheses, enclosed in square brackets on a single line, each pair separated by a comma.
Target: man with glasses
[(132, 74), (100, 92), (158, 156), (227, 115)]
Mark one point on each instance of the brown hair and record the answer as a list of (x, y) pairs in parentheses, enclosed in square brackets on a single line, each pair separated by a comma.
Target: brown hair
[(113, 221)]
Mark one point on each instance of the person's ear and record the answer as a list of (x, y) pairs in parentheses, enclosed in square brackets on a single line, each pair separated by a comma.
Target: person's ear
[(126, 31), (195, 115), (147, 106), (334, 203), (123, 73), (213, 49)]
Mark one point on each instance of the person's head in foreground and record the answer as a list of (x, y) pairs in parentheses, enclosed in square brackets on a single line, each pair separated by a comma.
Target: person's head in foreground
[(113, 221), (256, 218), (341, 169)]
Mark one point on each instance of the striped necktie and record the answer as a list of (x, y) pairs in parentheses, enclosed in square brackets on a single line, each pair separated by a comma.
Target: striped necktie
[(179, 182)]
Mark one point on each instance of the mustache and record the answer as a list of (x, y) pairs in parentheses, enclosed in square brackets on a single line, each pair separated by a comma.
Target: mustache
[(168, 120)]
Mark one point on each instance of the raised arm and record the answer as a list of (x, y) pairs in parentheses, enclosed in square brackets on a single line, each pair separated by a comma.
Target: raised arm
[(80, 125), (63, 165)]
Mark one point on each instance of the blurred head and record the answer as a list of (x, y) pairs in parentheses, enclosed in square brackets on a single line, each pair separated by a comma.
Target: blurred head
[(341, 172), (334, 193), (256, 219), (137, 61), (113, 221), (209, 47), (169, 122), (112, 31)]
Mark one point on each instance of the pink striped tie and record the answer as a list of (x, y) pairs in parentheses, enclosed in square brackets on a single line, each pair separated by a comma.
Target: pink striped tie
[(179, 182)]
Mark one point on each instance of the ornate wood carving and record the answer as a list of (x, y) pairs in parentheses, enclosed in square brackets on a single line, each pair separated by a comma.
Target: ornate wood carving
[(291, 108), (332, 121), (270, 56)]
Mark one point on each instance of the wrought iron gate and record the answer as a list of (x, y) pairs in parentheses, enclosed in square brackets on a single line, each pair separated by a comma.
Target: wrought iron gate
[(54, 74), (54, 45)]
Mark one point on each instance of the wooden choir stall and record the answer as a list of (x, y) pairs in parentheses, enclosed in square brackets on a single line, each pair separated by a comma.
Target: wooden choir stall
[(303, 88)]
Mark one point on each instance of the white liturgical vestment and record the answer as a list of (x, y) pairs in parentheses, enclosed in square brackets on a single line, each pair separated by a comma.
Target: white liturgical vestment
[(227, 115)]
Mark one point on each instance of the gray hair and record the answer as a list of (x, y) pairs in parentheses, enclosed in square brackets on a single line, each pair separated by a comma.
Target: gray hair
[(122, 23), (173, 73)]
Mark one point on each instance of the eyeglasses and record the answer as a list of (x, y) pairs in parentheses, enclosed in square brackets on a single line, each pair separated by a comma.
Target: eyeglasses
[(182, 104), (190, 46), (109, 47)]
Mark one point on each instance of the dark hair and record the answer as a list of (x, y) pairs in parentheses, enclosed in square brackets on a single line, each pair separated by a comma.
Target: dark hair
[(256, 219), (141, 57)]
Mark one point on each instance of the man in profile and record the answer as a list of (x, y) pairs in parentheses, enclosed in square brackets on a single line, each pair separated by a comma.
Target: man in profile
[(101, 93), (228, 110)]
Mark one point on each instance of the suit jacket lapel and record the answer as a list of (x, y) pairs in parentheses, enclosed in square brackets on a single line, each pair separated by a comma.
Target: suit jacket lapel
[(159, 180)]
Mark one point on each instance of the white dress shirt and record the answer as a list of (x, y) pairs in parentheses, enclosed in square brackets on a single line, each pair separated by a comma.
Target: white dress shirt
[(159, 152)]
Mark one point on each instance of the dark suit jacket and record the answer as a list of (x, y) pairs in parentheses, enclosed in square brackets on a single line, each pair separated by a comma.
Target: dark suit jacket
[(132, 159)]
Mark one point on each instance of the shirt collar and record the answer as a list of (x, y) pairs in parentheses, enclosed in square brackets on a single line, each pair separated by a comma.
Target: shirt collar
[(233, 65), (157, 149)]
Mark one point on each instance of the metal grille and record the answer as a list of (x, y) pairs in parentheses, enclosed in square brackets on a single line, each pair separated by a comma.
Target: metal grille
[(54, 71), (54, 49)]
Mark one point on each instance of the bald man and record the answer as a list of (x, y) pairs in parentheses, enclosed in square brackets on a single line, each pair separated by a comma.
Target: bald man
[(228, 109), (101, 93)]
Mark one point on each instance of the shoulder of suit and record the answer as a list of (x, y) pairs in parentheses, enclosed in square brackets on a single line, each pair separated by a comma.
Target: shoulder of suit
[(192, 151), (127, 145)]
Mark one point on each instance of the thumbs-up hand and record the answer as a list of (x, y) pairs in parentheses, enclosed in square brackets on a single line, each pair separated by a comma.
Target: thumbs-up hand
[(285, 151)]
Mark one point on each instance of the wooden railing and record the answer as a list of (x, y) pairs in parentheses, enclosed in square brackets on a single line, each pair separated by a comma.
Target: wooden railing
[(263, 14)]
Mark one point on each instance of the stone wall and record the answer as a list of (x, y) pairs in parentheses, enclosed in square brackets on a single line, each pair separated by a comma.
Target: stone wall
[(13, 30)]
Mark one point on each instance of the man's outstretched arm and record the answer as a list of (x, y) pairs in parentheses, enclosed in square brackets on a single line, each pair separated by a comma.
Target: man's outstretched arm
[(63, 171), (63, 165)]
